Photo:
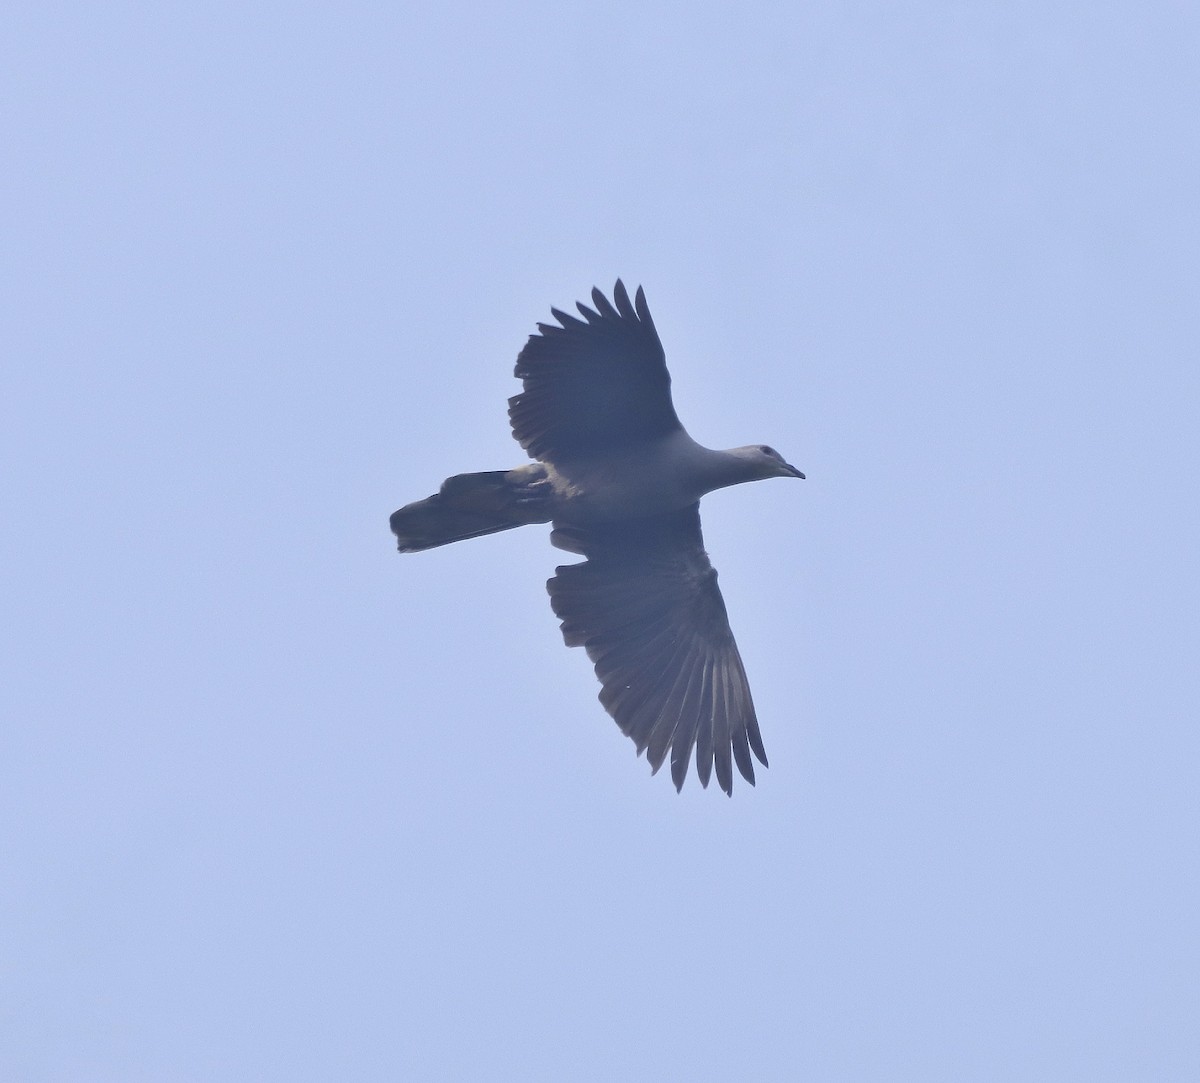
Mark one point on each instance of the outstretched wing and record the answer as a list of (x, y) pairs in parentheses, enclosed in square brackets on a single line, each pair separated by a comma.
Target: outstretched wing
[(646, 607), (593, 384)]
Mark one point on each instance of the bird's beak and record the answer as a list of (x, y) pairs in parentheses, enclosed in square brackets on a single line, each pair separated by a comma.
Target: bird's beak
[(793, 472)]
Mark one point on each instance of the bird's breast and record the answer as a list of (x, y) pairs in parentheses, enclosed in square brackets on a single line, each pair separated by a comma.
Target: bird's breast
[(634, 484)]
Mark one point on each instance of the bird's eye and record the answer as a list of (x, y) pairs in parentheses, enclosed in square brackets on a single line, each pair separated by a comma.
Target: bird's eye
[(769, 451)]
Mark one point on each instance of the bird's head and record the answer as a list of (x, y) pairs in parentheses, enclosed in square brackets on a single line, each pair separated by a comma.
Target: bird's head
[(766, 462)]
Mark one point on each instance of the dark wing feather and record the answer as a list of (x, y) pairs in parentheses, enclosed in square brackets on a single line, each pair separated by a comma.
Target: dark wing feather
[(646, 606), (593, 384)]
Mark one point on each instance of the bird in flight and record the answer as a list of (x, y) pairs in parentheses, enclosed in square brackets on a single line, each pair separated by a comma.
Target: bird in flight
[(620, 480)]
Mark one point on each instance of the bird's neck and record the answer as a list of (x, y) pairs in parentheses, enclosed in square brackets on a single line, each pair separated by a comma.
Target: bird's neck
[(718, 469)]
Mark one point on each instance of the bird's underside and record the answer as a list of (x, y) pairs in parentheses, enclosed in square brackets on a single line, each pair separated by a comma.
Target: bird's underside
[(644, 603)]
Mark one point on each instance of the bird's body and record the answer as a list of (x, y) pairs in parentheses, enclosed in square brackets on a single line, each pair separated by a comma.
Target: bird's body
[(620, 479), (648, 479)]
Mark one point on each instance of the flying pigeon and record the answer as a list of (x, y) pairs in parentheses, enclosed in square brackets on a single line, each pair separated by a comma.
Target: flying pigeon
[(620, 480)]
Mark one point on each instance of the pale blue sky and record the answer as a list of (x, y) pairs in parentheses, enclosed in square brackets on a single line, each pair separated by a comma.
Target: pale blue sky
[(277, 803)]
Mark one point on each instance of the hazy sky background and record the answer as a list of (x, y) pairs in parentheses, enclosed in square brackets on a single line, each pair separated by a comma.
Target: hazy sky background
[(281, 804)]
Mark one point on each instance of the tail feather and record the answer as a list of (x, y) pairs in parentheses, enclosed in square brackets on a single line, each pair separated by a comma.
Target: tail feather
[(471, 505)]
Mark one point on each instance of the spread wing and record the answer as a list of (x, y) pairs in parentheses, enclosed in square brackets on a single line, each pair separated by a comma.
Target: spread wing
[(593, 384), (646, 607)]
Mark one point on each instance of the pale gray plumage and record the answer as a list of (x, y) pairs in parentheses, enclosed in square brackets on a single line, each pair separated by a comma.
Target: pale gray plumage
[(621, 480)]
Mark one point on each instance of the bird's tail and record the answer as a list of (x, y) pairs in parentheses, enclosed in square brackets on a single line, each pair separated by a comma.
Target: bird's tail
[(470, 505)]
